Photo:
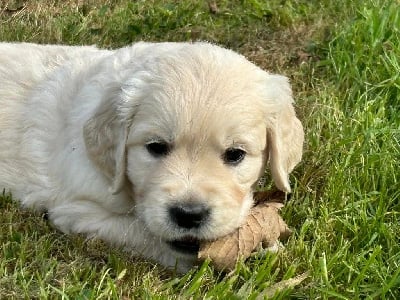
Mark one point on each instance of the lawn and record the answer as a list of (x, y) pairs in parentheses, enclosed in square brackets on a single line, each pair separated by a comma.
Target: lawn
[(343, 59)]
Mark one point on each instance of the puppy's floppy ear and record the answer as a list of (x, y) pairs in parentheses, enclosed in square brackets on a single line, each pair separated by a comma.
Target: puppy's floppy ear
[(105, 135), (285, 134)]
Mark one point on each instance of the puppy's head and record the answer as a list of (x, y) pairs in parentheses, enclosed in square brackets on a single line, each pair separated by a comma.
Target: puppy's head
[(191, 129)]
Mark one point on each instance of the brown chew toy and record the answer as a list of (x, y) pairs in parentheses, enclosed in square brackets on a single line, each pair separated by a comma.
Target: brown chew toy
[(263, 225)]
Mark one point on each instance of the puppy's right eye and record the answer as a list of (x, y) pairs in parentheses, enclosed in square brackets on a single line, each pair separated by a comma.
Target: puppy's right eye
[(158, 149)]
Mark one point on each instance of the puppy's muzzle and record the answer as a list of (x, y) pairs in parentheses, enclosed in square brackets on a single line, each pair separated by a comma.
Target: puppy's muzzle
[(189, 215)]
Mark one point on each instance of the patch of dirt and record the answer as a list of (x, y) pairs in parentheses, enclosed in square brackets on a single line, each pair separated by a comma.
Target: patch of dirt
[(284, 49)]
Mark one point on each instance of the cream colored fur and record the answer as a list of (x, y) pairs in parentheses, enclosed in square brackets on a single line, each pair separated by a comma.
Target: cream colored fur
[(74, 122)]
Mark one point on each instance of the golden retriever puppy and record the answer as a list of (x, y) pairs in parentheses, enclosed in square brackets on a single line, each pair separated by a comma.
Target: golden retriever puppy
[(152, 147)]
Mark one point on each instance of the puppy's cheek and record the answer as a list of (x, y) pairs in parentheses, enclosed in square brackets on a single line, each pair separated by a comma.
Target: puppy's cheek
[(250, 171), (232, 194), (229, 213), (140, 170), (151, 207)]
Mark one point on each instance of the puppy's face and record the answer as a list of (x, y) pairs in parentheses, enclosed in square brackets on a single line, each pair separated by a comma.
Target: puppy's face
[(193, 157), (205, 122)]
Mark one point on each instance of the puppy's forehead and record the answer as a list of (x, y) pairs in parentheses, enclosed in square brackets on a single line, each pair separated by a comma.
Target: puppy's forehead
[(194, 110), (202, 95)]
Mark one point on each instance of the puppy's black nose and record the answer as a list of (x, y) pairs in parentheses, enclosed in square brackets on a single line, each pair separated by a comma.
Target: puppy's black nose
[(189, 215)]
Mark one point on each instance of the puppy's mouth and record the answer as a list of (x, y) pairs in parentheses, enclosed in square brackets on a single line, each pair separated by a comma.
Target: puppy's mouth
[(186, 245)]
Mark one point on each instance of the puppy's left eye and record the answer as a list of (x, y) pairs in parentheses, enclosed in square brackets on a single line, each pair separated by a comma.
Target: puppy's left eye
[(233, 156), (158, 148)]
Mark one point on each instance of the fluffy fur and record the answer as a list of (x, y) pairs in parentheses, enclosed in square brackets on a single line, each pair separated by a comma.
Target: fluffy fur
[(75, 122)]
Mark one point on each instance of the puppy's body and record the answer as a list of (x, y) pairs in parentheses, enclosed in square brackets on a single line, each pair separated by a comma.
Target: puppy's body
[(133, 145)]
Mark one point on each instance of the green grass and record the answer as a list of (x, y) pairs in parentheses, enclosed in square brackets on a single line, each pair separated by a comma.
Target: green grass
[(344, 61)]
